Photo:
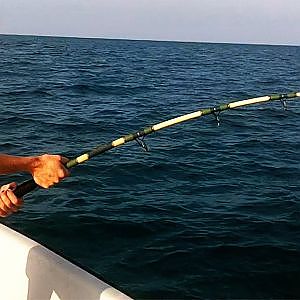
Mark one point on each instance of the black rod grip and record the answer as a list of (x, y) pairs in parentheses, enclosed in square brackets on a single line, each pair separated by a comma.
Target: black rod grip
[(25, 187)]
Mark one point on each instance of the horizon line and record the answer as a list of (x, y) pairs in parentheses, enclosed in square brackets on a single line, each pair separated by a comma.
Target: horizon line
[(149, 39)]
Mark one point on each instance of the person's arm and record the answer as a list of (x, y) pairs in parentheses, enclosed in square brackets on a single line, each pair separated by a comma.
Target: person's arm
[(46, 169)]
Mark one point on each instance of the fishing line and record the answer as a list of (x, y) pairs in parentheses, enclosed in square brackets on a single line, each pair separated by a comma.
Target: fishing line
[(139, 136)]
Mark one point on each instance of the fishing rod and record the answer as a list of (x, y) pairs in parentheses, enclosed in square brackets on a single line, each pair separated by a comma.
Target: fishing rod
[(139, 136)]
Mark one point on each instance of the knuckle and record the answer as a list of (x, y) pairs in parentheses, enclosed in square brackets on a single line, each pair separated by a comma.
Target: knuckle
[(56, 157), (44, 185)]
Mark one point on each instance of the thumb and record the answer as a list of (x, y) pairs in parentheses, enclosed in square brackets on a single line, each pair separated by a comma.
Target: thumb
[(12, 186)]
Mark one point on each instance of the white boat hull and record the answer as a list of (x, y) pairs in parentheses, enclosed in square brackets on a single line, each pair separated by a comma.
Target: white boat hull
[(31, 271)]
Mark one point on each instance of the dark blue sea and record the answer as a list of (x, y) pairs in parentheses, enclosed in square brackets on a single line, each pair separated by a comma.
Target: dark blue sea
[(210, 212)]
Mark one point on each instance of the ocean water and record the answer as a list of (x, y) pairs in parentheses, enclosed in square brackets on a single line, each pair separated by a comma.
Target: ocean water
[(210, 212)]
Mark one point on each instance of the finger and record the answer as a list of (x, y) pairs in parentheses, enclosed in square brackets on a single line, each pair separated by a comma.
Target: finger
[(63, 172), (3, 213), (8, 205), (2, 203), (11, 195), (14, 200), (41, 182), (64, 160), (44, 185), (4, 187)]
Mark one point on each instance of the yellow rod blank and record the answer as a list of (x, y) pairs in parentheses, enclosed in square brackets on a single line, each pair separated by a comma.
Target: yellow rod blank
[(118, 142), (249, 101), (174, 121)]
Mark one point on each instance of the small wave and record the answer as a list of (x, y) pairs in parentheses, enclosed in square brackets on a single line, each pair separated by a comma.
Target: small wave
[(105, 89), (39, 92), (254, 251)]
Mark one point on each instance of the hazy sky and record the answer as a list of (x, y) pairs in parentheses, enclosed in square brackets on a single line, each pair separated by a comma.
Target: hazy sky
[(243, 21)]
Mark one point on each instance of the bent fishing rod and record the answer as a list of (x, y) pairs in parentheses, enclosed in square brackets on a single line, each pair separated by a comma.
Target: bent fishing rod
[(138, 136)]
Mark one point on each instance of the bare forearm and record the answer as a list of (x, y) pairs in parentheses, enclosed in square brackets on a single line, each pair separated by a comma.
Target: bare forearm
[(45, 169), (15, 164)]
